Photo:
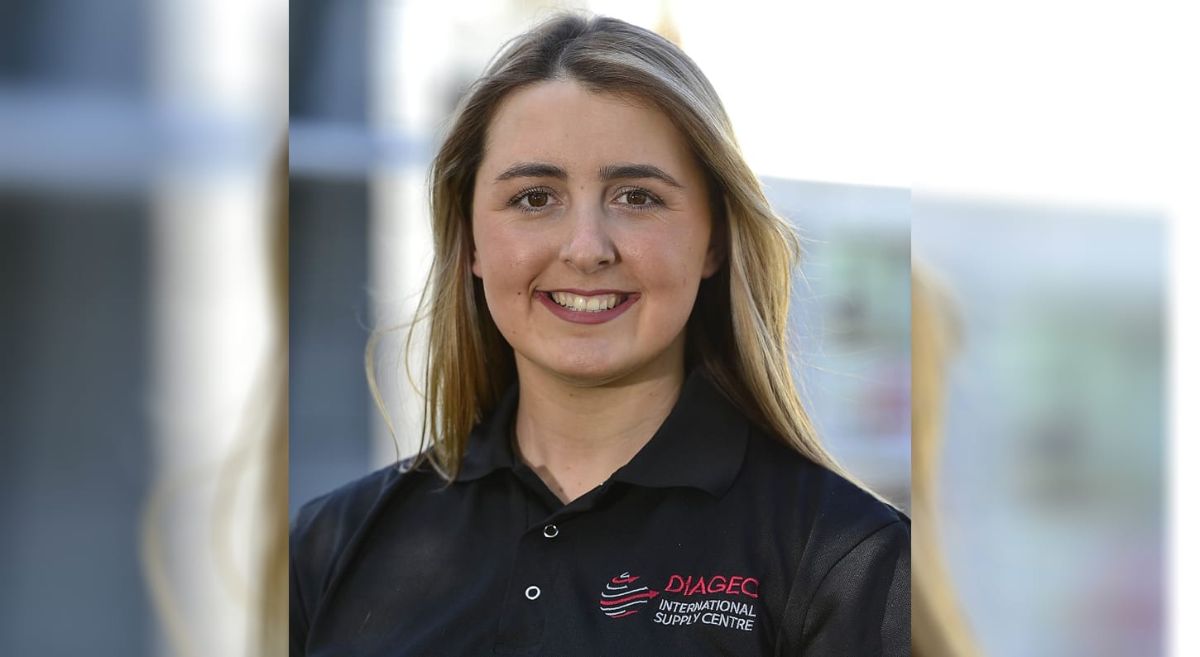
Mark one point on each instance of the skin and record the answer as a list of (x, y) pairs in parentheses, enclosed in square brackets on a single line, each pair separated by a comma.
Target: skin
[(591, 395)]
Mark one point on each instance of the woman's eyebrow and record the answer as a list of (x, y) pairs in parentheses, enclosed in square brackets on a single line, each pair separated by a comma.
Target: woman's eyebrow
[(616, 171), (532, 170), (607, 172)]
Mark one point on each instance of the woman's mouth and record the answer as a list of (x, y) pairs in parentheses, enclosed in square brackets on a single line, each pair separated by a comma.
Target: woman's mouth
[(587, 308), (590, 304)]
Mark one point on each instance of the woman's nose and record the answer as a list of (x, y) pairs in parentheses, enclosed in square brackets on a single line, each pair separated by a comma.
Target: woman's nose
[(588, 247)]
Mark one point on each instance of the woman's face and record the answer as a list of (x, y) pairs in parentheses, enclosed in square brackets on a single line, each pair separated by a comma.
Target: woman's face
[(592, 232)]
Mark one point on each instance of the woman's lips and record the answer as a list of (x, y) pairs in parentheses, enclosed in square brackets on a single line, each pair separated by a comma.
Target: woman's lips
[(625, 300)]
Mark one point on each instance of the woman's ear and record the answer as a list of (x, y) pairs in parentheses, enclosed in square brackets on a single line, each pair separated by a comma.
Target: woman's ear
[(470, 239), (715, 257), (718, 245), (718, 239), (468, 236)]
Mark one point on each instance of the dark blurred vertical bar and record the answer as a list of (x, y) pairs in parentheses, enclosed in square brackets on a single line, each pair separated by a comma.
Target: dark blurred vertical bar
[(330, 404), (86, 47), (74, 459), (75, 442), (328, 60), (329, 441)]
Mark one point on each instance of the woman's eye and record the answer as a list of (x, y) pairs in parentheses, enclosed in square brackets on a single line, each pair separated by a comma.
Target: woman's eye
[(531, 200), (639, 198)]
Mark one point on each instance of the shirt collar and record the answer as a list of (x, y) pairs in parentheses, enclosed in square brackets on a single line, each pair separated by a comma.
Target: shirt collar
[(701, 444), (488, 446)]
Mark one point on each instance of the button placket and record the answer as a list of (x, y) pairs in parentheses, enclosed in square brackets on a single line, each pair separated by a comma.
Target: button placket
[(533, 585)]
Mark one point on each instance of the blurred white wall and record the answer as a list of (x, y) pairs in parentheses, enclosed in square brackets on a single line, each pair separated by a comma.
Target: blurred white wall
[(219, 84)]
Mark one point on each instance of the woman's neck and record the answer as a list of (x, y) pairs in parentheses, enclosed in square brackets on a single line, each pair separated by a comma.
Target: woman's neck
[(574, 437)]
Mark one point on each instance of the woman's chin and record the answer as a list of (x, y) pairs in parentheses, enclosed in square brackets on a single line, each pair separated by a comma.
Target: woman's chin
[(587, 370), (603, 364), (587, 375)]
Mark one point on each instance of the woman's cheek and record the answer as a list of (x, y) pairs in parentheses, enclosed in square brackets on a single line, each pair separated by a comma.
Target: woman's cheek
[(518, 261), (499, 252)]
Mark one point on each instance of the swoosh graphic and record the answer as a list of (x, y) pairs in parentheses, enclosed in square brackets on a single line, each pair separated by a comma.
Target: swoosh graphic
[(610, 610), (622, 593), (635, 596)]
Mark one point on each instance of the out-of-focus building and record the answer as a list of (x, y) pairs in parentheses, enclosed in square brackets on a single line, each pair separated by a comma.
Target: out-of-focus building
[(76, 446), (1052, 507), (135, 144)]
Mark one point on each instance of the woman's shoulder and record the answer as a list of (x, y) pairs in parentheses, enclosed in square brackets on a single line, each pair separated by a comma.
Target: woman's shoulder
[(326, 525), (326, 530), (850, 550), (824, 504)]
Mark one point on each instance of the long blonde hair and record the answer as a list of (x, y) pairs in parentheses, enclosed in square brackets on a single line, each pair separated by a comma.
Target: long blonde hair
[(738, 327)]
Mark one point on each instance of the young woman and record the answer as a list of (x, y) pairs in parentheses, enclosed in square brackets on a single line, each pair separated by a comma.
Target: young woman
[(617, 461)]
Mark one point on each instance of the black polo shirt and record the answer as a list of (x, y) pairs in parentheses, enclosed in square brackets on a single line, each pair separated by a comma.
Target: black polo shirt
[(715, 539)]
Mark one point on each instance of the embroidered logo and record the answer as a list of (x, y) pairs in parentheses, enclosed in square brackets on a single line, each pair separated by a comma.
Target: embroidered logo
[(620, 599), (722, 600)]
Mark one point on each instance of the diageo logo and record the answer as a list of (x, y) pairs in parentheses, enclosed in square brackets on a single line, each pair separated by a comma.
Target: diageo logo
[(719, 600), (731, 585)]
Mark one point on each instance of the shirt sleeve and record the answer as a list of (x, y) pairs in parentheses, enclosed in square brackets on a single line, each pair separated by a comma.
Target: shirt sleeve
[(323, 530), (861, 606)]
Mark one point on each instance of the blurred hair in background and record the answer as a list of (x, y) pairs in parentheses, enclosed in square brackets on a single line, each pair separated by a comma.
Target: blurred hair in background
[(939, 628)]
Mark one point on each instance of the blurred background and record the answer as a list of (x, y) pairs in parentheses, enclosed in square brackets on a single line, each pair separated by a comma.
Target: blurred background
[(1053, 178), (1052, 505), (138, 330)]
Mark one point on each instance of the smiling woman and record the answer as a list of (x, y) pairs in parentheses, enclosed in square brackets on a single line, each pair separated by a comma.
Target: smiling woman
[(610, 411), (586, 221), (592, 284)]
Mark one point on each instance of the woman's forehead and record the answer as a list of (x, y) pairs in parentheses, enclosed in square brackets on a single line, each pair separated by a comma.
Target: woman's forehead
[(562, 122)]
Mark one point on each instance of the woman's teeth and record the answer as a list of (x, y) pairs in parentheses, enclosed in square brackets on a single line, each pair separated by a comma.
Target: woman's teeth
[(586, 304)]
